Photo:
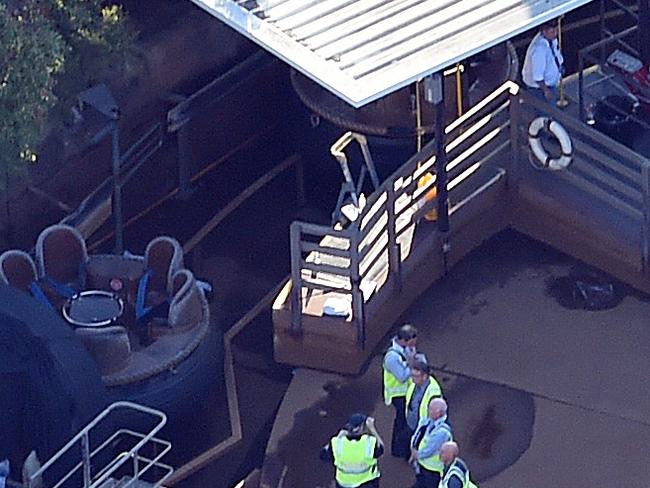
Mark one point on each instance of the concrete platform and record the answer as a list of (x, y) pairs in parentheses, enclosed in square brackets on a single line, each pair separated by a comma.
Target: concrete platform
[(539, 395)]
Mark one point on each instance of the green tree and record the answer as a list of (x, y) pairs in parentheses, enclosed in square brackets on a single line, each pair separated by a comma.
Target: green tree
[(49, 51)]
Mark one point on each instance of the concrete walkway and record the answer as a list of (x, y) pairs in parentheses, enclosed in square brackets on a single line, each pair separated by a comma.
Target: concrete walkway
[(539, 395)]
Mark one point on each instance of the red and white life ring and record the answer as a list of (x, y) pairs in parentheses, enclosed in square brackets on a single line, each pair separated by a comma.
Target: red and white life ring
[(538, 150)]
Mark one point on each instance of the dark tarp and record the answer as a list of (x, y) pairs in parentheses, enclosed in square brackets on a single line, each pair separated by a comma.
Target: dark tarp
[(49, 385)]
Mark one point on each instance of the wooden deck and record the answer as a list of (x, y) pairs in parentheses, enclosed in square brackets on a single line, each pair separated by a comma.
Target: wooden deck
[(597, 210)]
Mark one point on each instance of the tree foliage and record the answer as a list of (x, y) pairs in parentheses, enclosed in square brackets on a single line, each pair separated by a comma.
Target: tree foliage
[(49, 51)]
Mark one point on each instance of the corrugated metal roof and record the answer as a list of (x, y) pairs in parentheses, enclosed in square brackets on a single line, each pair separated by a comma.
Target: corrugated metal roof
[(364, 49)]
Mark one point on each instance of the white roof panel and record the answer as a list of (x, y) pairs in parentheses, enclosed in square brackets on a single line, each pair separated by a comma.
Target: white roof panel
[(362, 50)]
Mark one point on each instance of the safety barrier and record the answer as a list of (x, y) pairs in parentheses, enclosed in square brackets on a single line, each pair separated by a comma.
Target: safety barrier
[(614, 179), (93, 471), (338, 271)]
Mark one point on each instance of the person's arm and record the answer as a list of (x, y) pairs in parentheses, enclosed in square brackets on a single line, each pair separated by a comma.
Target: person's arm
[(379, 451), (433, 446), (397, 366), (326, 454), (416, 438), (370, 423)]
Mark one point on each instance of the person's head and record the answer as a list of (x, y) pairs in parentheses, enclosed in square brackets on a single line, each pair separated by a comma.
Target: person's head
[(549, 30), (448, 452), (355, 424), (437, 408), (407, 336), (419, 372)]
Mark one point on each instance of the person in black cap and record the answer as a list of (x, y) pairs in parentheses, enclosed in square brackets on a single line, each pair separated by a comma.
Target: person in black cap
[(354, 453)]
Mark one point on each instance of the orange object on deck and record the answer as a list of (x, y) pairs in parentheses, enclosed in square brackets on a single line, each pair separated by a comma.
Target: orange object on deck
[(431, 215)]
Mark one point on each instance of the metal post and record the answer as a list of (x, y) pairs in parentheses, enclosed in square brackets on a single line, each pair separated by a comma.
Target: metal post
[(644, 31), (85, 459), (602, 54), (459, 90), (562, 101), (300, 183), (136, 465), (418, 117), (184, 161), (581, 85), (9, 229), (117, 191), (441, 154)]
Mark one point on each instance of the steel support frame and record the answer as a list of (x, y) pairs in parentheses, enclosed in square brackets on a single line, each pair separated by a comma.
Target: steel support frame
[(118, 218), (644, 31)]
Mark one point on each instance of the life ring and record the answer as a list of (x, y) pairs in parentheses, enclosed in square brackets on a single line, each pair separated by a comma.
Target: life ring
[(538, 150)]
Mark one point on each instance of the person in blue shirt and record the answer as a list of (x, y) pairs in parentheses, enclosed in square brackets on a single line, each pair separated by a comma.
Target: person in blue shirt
[(396, 379), (432, 432), (456, 473), (543, 64)]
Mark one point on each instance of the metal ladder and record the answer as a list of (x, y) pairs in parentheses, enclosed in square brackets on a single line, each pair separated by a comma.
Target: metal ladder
[(126, 469)]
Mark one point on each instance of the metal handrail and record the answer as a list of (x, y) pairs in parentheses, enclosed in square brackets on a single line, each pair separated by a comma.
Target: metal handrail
[(83, 438)]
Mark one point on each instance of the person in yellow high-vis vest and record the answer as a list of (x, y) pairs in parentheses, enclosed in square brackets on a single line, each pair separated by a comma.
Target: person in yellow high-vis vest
[(419, 393), (397, 377), (432, 432), (456, 473), (355, 453)]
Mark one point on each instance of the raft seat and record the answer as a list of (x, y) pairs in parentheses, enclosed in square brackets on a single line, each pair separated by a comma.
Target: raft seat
[(162, 258), (109, 347), (61, 256), (185, 308), (17, 269)]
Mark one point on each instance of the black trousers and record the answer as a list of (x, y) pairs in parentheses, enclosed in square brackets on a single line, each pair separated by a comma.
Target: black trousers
[(400, 445), (427, 479), (368, 484)]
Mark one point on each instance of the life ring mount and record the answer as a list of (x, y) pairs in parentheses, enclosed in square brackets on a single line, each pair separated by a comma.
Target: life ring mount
[(538, 150)]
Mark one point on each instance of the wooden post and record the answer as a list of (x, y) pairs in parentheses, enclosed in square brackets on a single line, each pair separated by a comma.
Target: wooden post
[(296, 283), (394, 258), (355, 281), (441, 153), (645, 256), (515, 149)]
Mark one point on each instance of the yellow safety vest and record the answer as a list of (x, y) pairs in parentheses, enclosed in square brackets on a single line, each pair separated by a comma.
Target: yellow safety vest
[(463, 476), (432, 391), (393, 388), (355, 460), (433, 463)]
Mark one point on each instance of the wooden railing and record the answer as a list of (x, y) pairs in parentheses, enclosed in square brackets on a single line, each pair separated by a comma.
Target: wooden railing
[(350, 266), (603, 168)]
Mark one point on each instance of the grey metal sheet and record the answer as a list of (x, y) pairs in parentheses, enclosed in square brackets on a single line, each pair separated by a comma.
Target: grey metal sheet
[(362, 50)]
